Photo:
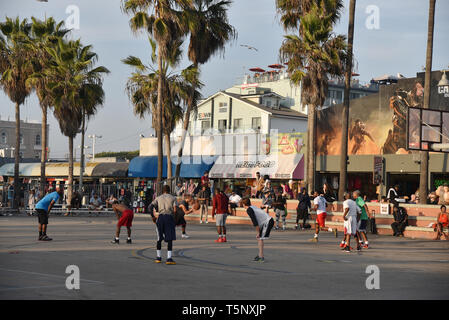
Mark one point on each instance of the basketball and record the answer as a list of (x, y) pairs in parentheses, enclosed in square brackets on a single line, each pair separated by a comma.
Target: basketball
[(196, 205)]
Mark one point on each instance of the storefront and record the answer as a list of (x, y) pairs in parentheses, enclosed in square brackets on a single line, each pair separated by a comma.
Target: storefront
[(143, 170)]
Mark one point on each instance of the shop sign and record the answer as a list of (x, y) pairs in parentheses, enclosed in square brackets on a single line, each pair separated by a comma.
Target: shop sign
[(378, 170), (204, 115)]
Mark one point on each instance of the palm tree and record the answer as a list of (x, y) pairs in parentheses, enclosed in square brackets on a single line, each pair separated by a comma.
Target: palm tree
[(73, 84), (44, 34), (313, 55), (15, 68), (345, 115), (91, 96), (163, 23), (142, 89), (210, 30), (424, 169)]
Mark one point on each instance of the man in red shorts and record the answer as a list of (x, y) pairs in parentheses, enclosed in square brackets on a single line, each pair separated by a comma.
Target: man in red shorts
[(320, 205), (125, 219)]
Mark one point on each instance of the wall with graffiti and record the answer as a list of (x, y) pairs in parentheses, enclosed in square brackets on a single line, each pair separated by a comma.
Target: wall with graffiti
[(377, 123)]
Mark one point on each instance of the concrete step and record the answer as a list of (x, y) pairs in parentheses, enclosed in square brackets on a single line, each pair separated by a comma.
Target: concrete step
[(333, 221)]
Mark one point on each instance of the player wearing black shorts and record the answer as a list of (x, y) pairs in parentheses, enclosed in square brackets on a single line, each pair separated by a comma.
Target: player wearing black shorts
[(166, 206), (182, 210), (43, 208)]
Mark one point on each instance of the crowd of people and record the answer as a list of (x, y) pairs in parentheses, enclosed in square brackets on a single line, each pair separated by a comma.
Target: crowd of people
[(173, 207), (438, 197)]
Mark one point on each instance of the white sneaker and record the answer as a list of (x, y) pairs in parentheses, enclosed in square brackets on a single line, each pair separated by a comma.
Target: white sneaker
[(201, 221), (206, 221), (185, 236)]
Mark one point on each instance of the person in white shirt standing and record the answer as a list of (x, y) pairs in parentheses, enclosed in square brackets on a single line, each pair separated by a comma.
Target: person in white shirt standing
[(234, 201), (263, 223), (351, 215), (320, 205)]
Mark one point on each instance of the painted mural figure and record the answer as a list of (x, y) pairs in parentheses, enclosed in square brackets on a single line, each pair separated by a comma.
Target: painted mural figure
[(399, 103), (358, 133)]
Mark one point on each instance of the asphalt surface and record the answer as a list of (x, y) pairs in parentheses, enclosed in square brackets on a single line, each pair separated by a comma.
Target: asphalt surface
[(294, 268)]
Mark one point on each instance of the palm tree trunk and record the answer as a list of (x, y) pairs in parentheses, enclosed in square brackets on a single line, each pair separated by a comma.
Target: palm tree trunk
[(311, 148), (16, 201), (44, 151), (70, 181), (345, 113), (185, 127), (160, 155), (82, 153), (424, 170), (168, 150)]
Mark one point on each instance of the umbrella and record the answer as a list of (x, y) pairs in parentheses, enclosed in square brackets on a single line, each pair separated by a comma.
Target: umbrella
[(276, 66), (257, 70)]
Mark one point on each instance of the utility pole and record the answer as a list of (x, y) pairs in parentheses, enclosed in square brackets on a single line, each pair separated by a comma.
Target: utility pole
[(82, 167), (94, 137)]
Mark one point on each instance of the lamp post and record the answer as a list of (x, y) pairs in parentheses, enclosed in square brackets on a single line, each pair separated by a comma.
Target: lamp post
[(94, 137)]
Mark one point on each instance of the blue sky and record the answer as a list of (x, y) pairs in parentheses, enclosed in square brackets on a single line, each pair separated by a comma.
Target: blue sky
[(399, 45)]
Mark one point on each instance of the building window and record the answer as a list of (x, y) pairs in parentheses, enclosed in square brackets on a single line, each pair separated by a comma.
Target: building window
[(205, 125), (255, 123), (38, 140), (339, 95), (268, 103), (4, 138), (21, 138), (222, 107), (238, 124), (222, 125)]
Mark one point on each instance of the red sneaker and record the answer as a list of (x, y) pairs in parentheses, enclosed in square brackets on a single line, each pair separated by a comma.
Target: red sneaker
[(365, 246), (218, 240), (342, 244), (224, 239)]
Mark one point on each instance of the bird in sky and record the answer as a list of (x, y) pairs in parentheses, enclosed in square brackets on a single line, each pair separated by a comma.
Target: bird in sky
[(249, 47)]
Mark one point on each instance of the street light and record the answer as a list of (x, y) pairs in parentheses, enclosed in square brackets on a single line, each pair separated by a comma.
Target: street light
[(94, 137)]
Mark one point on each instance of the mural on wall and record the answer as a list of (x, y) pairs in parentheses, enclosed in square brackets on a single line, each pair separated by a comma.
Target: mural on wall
[(283, 143), (377, 122)]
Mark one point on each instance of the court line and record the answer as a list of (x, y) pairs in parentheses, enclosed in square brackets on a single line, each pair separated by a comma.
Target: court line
[(47, 275)]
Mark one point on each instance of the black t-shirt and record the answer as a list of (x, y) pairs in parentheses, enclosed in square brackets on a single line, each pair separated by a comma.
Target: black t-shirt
[(279, 202)]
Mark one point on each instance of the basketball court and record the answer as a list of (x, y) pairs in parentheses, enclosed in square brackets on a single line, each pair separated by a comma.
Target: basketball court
[(294, 268)]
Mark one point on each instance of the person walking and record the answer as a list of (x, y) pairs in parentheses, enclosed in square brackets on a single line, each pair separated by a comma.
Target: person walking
[(320, 205), (351, 215), (279, 204), (204, 198), (220, 207), (263, 223), (302, 210), (363, 238), (166, 206), (43, 208), (260, 183), (31, 202)]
